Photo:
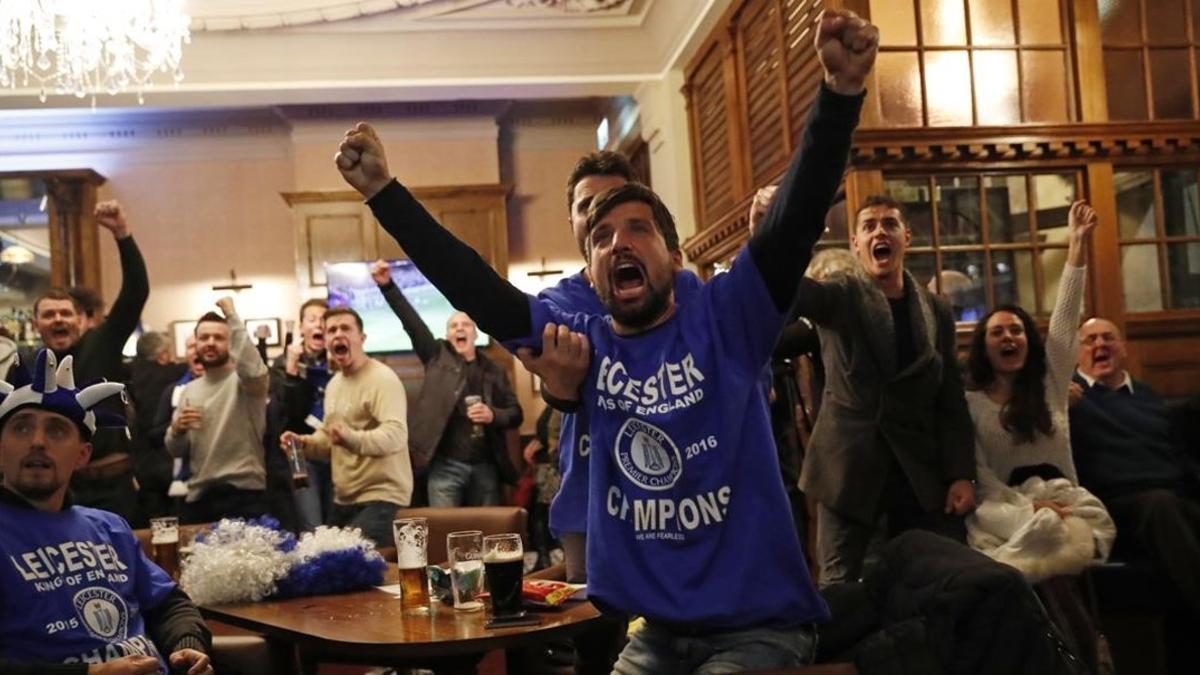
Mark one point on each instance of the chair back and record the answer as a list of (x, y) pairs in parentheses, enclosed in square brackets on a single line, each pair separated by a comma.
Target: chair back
[(443, 521)]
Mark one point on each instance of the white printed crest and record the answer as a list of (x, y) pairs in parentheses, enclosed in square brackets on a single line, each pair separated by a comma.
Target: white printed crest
[(647, 455), (103, 613)]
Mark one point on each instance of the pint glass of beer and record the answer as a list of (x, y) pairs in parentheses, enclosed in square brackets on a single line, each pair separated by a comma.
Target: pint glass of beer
[(466, 568), (412, 553), (297, 463), (504, 563), (164, 544)]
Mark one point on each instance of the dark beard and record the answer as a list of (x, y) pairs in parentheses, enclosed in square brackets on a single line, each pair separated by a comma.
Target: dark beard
[(643, 315), (36, 492), (215, 363)]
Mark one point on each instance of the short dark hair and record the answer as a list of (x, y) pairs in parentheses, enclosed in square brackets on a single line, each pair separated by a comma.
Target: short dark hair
[(88, 300), (343, 311), (209, 317), (57, 293), (886, 201), (313, 302), (603, 163), (636, 192)]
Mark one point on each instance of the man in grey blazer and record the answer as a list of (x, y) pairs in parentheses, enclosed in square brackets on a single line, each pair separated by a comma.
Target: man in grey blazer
[(894, 435)]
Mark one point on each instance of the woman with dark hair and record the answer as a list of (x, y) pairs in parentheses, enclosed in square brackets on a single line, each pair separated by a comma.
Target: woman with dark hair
[(1032, 513)]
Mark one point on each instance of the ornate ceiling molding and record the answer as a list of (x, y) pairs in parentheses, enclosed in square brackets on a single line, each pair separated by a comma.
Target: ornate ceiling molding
[(235, 15)]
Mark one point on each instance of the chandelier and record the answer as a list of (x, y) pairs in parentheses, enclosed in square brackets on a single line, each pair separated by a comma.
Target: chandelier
[(83, 47)]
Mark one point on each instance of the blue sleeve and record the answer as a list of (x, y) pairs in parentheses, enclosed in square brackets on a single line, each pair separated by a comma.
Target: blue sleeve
[(746, 320)]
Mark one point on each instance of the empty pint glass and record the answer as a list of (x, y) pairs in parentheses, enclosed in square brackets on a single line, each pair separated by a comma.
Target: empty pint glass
[(466, 568), (164, 544), (504, 564), (297, 463), (412, 554)]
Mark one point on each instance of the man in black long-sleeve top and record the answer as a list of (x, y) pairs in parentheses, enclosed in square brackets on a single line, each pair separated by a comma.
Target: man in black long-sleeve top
[(463, 444), (683, 471), (107, 480)]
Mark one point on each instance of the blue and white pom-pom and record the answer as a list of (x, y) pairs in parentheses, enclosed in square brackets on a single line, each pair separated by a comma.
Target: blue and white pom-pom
[(243, 561), (238, 561), (332, 560)]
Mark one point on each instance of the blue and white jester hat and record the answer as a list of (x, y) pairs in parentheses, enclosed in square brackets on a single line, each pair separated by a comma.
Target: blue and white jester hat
[(53, 389)]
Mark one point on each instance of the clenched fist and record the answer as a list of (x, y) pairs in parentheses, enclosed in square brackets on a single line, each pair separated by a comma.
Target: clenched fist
[(111, 217), (846, 46), (362, 162)]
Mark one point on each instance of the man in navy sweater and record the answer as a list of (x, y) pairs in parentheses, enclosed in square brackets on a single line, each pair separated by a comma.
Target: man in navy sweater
[(1121, 439)]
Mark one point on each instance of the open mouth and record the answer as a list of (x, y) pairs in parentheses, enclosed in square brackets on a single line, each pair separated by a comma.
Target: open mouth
[(60, 331), (318, 336), (1102, 358), (460, 341), (628, 279), (1008, 350), (340, 349), (881, 251)]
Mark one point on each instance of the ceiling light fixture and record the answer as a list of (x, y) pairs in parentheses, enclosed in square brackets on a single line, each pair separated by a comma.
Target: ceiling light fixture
[(84, 47)]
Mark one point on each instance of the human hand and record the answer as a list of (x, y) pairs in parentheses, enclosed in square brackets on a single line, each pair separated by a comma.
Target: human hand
[(338, 431), (1058, 507), (481, 413), (563, 363), (960, 498), (288, 437), (846, 46), (126, 665), (226, 306), (1082, 220), (293, 353), (362, 161), (1074, 394), (111, 217), (197, 663), (188, 417), (759, 205), (381, 272), (532, 448)]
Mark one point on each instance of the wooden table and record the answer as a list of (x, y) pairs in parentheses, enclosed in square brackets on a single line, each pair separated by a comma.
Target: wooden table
[(369, 627)]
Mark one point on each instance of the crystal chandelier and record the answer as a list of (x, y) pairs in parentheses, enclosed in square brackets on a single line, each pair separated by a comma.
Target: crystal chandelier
[(84, 47)]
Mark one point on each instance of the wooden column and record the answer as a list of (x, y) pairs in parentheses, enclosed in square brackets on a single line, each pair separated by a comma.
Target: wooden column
[(1089, 62), (1105, 290)]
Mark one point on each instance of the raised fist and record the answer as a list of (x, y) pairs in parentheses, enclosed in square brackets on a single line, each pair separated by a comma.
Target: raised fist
[(381, 272), (1082, 219), (226, 306), (111, 217), (361, 160), (846, 46), (759, 206)]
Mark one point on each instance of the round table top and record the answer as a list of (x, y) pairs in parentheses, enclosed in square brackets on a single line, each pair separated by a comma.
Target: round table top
[(372, 622)]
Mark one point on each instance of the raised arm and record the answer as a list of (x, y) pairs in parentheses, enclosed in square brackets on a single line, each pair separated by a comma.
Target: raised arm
[(424, 343), (782, 246), (499, 308), (126, 311), (251, 370), (1061, 347)]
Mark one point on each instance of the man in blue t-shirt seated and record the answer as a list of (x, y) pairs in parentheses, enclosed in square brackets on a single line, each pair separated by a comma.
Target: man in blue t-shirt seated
[(686, 513), (77, 594)]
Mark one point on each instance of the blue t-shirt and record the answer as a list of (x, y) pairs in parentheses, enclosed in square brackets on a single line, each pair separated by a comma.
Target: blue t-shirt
[(74, 586), (688, 521), (568, 509)]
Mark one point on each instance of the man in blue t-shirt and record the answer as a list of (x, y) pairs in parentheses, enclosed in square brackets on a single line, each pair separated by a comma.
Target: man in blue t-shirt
[(683, 477), (77, 594)]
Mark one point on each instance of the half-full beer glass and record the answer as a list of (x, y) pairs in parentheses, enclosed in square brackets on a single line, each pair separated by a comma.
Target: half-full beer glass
[(465, 550), (504, 563), (412, 554), (164, 544)]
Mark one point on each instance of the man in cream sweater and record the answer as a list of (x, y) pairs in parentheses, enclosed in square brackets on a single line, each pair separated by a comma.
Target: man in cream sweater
[(220, 420), (365, 433)]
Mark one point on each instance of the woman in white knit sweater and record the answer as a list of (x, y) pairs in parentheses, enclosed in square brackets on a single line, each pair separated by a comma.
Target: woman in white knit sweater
[(1032, 513)]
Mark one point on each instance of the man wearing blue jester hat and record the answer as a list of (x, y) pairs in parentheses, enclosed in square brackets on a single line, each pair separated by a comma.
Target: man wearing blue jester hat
[(77, 594)]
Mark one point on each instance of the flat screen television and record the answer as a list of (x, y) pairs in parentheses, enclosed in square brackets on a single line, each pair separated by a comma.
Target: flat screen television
[(351, 285)]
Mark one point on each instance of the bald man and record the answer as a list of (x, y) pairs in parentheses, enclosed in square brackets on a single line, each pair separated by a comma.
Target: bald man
[(466, 403), (1121, 439)]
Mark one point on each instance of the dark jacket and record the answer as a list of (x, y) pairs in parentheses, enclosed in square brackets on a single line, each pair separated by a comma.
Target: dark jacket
[(98, 352), (445, 380), (152, 464), (932, 605), (918, 413)]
